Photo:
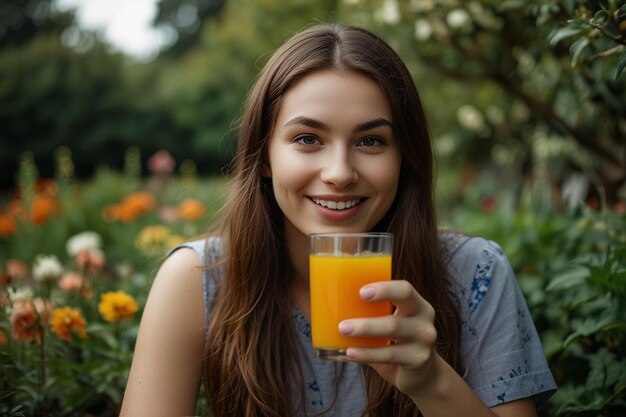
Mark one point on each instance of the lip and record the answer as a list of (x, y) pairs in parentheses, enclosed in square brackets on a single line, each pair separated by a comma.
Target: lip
[(334, 214)]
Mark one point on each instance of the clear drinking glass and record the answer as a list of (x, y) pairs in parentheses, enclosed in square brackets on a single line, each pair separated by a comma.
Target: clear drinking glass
[(339, 265)]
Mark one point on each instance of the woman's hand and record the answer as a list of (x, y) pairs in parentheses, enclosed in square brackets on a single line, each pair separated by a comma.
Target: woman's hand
[(409, 362)]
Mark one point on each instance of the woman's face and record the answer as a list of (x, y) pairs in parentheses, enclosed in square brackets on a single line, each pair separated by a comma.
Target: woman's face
[(332, 156)]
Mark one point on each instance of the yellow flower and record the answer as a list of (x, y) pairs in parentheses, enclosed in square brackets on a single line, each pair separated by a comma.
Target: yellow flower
[(174, 240), (117, 305), (190, 209), (67, 320), (153, 240)]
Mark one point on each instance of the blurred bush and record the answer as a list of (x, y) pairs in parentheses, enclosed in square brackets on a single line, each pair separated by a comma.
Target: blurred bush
[(571, 266)]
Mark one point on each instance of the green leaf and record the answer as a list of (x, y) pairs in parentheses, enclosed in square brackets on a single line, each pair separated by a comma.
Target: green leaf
[(600, 18), (605, 370), (568, 279), (577, 48), (511, 5), (591, 326), (620, 65), (563, 33)]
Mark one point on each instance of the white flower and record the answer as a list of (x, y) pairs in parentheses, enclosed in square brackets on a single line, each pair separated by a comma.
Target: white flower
[(20, 294), (458, 18), (47, 268), (83, 241), (389, 12), (470, 118), (423, 30)]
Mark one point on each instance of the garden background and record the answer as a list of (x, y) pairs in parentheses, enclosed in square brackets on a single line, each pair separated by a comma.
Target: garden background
[(106, 161)]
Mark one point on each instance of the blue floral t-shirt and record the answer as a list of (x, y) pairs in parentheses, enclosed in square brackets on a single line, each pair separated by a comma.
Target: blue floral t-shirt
[(500, 347)]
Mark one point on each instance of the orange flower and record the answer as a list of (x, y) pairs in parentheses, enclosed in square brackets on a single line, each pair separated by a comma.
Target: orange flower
[(7, 224), (67, 320), (131, 207), (117, 305), (28, 318), (43, 207), (190, 209)]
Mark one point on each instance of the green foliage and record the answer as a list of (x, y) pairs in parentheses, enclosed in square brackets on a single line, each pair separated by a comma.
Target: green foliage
[(22, 20), (530, 72), (52, 96), (572, 269)]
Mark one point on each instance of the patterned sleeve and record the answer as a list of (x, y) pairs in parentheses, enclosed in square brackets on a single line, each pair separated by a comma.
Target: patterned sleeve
[(500, 347)]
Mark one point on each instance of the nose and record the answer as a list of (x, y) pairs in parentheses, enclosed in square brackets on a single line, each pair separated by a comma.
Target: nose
[(339, 169)]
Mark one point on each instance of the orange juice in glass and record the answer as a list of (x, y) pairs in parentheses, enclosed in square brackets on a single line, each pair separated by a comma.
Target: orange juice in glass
[(339, 265)]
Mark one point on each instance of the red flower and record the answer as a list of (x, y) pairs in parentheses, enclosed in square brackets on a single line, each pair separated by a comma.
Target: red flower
[(488, 204)]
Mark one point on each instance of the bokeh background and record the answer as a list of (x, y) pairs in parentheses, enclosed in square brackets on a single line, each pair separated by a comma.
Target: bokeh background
[(120, 139)]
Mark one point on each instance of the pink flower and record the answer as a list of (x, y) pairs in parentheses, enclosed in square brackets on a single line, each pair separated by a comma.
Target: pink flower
[(71, 281), (168, 214), (161, 163), (16, 269), (91, 260), (28, 318)]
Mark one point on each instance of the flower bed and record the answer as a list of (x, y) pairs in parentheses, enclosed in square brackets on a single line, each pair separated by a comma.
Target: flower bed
[(76, 265)]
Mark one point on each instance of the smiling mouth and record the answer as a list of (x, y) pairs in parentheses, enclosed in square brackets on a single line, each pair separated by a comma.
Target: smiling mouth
[(336, 205)]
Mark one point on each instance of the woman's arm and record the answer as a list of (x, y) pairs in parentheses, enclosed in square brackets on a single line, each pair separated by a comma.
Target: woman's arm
[(167, 362), (448, 394)]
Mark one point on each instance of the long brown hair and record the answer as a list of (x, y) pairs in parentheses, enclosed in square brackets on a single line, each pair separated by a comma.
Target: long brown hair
[(251, 359)]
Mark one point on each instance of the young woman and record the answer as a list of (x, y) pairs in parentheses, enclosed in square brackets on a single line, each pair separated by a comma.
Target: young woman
[(334, 139)]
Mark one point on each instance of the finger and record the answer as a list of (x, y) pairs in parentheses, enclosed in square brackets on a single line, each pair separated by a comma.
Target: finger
[(401, 293), (406, 355), (393, 327)]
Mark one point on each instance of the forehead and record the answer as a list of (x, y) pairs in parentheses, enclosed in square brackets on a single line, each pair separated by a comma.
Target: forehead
[(333, 94)]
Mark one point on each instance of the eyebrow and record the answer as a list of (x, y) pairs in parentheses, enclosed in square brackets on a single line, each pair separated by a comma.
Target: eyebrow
[(316, 124)]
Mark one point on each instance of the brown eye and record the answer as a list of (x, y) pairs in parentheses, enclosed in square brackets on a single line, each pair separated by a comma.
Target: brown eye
[(370, 141), (306, 140)]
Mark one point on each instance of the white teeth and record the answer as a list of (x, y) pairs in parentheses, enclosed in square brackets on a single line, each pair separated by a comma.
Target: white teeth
[(337, 205)]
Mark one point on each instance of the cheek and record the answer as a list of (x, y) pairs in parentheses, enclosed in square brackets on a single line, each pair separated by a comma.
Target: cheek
[(386, 177), (289, 176)]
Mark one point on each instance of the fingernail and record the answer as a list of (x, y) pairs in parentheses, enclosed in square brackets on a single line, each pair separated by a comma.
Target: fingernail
[(351, 353), (345, 327), (367, 293)]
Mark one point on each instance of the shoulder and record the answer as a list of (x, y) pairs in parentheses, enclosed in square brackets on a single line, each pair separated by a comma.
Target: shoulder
[(500, 346), (178, 282), (207, 249), (209, 255), (471, 257)]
